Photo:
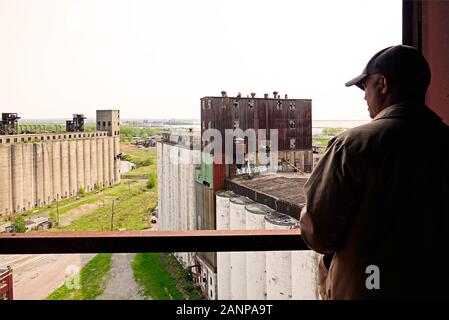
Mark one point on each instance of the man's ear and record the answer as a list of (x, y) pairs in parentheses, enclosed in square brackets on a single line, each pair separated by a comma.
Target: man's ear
[(383, 85)]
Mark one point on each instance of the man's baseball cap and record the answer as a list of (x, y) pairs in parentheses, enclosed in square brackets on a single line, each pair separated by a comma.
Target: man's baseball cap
[(400, 62)]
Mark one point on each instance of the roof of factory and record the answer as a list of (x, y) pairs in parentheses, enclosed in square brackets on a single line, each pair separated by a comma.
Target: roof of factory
[(282, 191)]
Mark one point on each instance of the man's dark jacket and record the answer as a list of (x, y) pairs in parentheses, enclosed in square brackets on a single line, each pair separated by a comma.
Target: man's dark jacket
[(380, 197)]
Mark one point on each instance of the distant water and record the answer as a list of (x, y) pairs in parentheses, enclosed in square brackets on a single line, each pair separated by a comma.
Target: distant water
[(345, 124)]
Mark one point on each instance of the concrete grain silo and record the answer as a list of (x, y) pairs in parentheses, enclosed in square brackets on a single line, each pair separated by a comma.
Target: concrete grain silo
[(38, 173), (28, 185), (117, 160), (73, 169), (93, 162), (256, 260), (100, 167), (279, 263), (65, 173), (87, 170), (237, 221), (106, 175), (5, 169), (56, 174), (305, 275), (17, 177), (223, 258), (80, 164), (48, 180), (111, 160)]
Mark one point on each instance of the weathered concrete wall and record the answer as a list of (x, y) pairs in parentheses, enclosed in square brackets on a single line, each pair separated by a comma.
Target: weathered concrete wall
[(37, 174)]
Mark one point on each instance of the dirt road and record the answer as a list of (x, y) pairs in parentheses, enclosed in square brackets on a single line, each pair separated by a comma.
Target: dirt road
[(122, 285)]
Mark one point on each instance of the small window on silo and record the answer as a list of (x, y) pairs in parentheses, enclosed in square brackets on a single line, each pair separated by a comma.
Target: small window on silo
[(292, 105), (99, 123), (109, 123), (104, 123), (1, 141), (7, 140), (22, 139), (48, 137), (15, 139), (29, 139)]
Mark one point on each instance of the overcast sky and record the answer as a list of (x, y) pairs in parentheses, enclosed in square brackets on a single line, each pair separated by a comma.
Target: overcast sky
[(156, 59)]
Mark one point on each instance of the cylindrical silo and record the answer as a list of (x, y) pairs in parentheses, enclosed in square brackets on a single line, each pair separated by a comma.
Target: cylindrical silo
[(223, 258), (57, 170), (73, 168), (100, 170), (28, 192), (237, 221), (5, 176), (305, 275), (106, 176), (279, 276), (86, 159), (93, 162), (80, 165), (48, 180), (17, 177), (38, 174), (117, 160), (256, 260), (65, 171), (111, 159)]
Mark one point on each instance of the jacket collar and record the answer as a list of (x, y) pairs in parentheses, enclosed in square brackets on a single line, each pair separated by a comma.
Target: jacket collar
[(407, 110)]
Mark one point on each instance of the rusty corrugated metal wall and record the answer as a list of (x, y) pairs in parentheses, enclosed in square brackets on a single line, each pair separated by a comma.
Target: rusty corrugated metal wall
[(292, 117), (426, 26)]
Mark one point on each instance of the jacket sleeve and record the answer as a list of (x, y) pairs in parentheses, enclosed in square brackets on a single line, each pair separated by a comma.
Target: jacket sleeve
[(331, 200)]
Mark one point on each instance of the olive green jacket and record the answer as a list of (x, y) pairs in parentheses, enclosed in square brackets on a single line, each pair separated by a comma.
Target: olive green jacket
[(379, 198)]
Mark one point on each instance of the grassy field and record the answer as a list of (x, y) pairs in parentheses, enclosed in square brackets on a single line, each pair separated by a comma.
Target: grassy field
[(144, 158), (162, 277), (92, 281), (132, 207)]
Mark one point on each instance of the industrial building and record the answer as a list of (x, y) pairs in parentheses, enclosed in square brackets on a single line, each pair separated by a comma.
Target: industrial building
[(197, 192), (40, 168)]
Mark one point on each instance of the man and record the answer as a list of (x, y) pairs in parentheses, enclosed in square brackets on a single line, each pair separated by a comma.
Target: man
[(377, 204)]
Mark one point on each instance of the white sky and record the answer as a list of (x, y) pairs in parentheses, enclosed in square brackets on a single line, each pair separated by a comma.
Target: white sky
[(156, 59)]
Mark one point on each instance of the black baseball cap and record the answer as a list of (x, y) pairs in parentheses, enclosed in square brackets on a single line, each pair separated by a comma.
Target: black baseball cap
[(400, 62)]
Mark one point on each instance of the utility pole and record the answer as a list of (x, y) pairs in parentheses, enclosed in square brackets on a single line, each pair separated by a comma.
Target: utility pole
[(112, 215)]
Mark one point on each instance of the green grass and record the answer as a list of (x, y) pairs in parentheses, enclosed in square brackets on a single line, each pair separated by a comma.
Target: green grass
[(92, 281), (144, 158), (131, 211), (162, 277)]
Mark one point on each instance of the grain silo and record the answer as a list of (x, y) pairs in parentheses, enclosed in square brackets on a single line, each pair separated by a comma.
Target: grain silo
[(256, 260), (223, 258), (237, 221), (279, 263)]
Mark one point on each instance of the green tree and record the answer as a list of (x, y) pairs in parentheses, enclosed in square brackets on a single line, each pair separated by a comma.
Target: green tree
[(19, 225)]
